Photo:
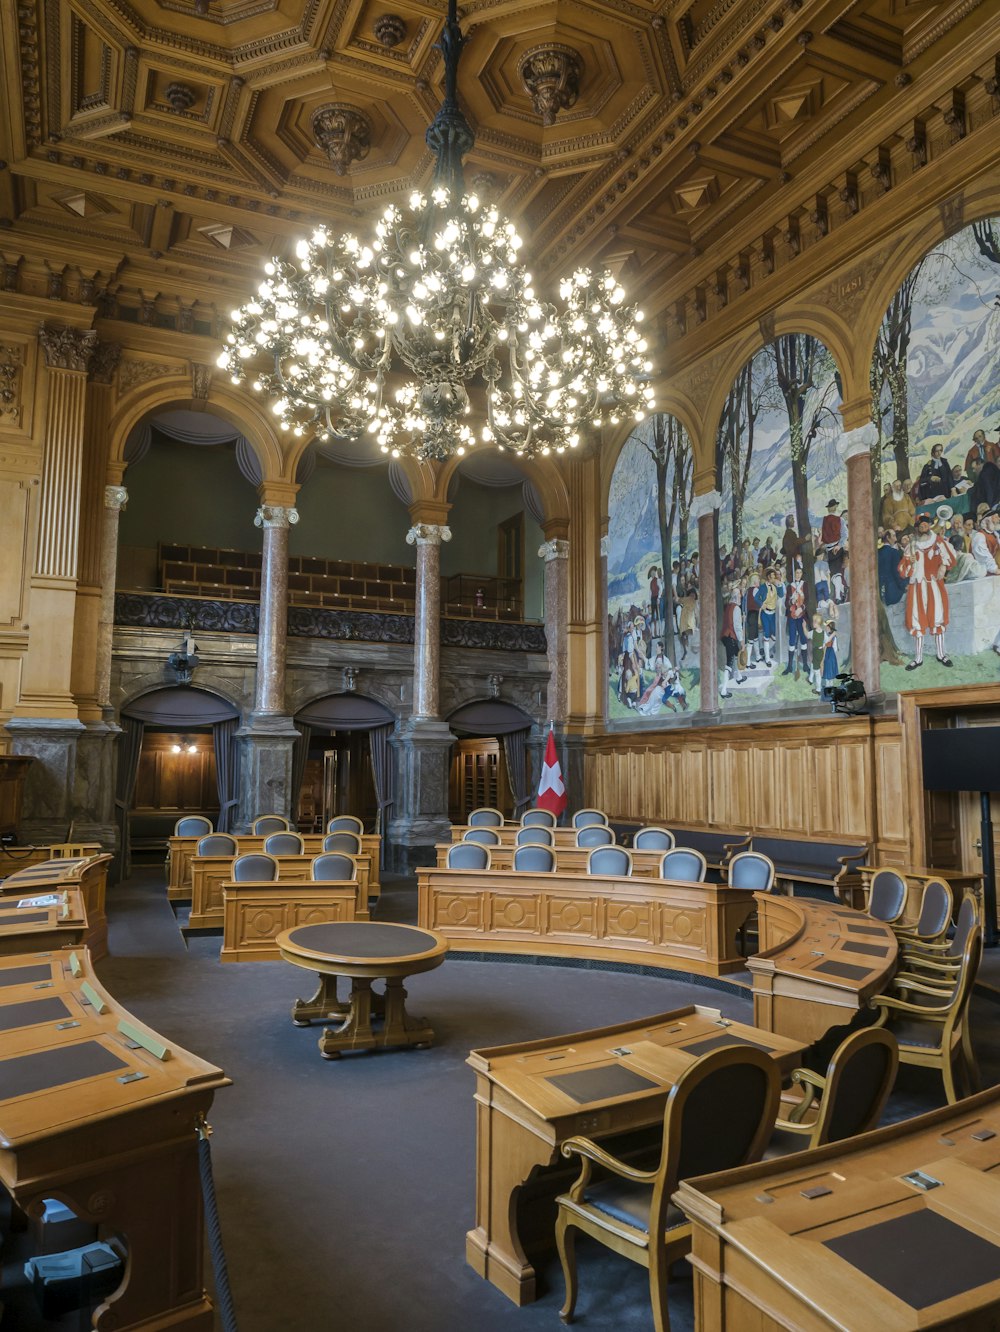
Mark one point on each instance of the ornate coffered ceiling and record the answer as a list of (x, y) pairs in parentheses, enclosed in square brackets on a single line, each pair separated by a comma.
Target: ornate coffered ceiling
[(160, 149)]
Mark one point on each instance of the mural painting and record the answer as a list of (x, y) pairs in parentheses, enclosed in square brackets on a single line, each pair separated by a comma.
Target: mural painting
[(936, 468)]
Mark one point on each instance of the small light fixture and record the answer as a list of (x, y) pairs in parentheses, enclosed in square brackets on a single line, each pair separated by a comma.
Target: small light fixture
[(175, 749), (192, 749)]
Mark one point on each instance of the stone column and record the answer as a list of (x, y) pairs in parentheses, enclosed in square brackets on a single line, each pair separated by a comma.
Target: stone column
[(268, 737), (46, 721), (855, 448), (555, 553), (422, 742), (704, 509), (115, 499)]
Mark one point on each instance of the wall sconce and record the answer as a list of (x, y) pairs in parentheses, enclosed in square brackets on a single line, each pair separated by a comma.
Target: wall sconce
[(184, 661)]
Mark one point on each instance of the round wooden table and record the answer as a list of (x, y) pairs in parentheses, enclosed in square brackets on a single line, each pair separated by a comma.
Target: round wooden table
[(362, 951)]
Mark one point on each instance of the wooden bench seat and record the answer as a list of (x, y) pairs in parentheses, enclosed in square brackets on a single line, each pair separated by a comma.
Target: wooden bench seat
[(812, 860)]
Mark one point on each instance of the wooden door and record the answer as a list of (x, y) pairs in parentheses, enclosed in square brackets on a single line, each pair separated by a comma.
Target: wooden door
[(478, 778)]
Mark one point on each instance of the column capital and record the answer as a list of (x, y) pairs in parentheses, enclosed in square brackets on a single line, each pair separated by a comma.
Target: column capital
[(553, 550), (67, 348), (104, 362), (276, 515), (854, 442), (605, 546), (428, 534), (115, 497), (708, 502)]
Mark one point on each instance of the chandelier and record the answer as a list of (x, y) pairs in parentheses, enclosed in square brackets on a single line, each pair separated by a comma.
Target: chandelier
[(430, 338)]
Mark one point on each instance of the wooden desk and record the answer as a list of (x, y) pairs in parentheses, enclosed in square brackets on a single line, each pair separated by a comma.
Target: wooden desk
[(564, 837), (97, 1110), (818, 965), (762, 1252), (41, 925), (182, 850), (256, 913), (88, 874), (569, 859), (209, 875), (523, 1114), (641, 921)]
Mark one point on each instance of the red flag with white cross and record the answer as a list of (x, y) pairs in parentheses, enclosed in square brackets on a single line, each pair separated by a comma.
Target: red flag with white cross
[(551, 789)]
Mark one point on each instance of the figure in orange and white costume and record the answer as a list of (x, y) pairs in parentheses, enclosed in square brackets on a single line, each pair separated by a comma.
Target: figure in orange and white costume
[(928, 558)]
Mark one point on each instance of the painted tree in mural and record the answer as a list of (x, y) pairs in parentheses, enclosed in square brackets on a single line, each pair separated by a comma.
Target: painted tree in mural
[(987, 242), (889, 384), (735, 439), (667, 443)]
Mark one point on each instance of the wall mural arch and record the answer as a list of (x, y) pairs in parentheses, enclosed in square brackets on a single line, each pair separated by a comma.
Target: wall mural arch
[(936, 466)]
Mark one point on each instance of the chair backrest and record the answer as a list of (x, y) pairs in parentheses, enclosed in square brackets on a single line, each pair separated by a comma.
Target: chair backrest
[(595, 834), (935, 909), (534, 835), (468, 856), (534, 859), (752, 871), (653, 839), (255, 867), (332, 867), (886, 896), (586, 818), (192, 825), (720, 1114), (270, 823), (971, 957), (484, 836), (217, 844), (347, 842), (284, 844), (486, 817), (346, 823), (859, 1078), (613, 860), (538, 818), (968, 915), (684, 865)]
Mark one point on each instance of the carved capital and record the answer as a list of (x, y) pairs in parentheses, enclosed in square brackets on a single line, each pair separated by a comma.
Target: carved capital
[(201, 381), (276, 515), (853, 442), (709, 502), (605, 547), (67, 348), (115, 497), (553, 550), (344, 133), (104, 362), (551, 78), (427, 534)]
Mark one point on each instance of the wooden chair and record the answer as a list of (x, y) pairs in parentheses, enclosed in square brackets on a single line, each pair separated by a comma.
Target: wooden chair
[(193, 825), (349, 843), (719, 1115), (484, 836), (486, 817), (938, 962), (534, 859), (269, 823), (886, 896), (346, 823), (538, 818), (255, 867), (587, 818), (654, 839), (217, 844), (753, 872), (847, 1100), (468, 856), (284, 844), (333, 867), (931, 1022), (684, 865), (595, 834), (613, 860), (932, 924), (534, 835)]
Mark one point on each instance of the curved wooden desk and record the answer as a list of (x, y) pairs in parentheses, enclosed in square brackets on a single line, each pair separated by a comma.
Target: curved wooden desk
[(88, 874), (98, 1110), (818, 965), (36, 922), (363, 951), (212, 875), (182, 850)]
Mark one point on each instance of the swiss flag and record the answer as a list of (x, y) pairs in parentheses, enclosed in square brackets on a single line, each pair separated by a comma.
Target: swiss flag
[(551, 791)]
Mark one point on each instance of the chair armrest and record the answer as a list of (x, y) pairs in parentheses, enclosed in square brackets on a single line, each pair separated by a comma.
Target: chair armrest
[(910, 980), (926, 946), (590, 1151), (811, 1084), (932, 964), (901, 1006), (853, 856), (793, 1126)]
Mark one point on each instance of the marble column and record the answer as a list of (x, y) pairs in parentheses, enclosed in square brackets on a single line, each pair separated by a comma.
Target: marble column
[(555, 553), (855, 448), (704, 509), (269, 735), (115, 499), (423, 741)]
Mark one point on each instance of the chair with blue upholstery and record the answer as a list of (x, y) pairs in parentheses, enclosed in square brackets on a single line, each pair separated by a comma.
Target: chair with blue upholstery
[(587, 818), (486, 817), (753, 873), (192, 825), (284, 844), (468, 856), (534, 859), (654, 839), (332, 867), (255, 867), (538, 818), (534, 835), (935, 916), (886, 896), (269, 823), (613, 860), (346, 823), (217, 844), (347, 843), (596, 834), (484, 836), (684, 865), (719, 1115)]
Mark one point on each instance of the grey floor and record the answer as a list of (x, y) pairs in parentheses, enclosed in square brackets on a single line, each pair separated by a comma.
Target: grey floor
[(346, 1187)]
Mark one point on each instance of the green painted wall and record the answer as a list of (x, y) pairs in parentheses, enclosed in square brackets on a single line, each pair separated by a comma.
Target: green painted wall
[(476, 514)]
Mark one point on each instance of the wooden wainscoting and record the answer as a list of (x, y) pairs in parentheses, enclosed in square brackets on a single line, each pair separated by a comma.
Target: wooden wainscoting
[(837, 778)]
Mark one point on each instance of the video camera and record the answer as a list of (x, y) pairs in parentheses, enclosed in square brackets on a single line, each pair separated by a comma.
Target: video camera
[(848, 696)]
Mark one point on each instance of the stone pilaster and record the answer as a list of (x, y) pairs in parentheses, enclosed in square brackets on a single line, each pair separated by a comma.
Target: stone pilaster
[(704, 509), (855, 448), (555, 553), (427, 538)]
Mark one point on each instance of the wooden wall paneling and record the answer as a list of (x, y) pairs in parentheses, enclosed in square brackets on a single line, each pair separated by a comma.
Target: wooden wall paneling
[(766, 787), (792, 786), (729, 794), (10, 687), (693, 775), (854, 789), (891, 822), (15, 506)]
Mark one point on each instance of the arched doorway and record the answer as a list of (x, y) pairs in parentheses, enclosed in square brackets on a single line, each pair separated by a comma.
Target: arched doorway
[(489, 763), (342, 763), (177, 755)]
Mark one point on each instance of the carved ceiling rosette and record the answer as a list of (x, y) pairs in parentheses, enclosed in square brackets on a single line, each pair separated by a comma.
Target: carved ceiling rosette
[(551, 76), (343, 132)]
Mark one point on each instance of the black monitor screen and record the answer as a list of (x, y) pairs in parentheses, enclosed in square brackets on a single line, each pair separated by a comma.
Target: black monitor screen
[(962, 760)]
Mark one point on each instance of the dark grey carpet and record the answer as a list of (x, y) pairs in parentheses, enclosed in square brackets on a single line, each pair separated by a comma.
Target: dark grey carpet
[(346, 1187)]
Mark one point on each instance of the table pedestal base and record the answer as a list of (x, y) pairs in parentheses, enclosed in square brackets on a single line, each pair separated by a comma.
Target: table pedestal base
[(356, 1030)]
